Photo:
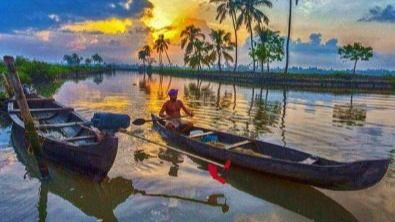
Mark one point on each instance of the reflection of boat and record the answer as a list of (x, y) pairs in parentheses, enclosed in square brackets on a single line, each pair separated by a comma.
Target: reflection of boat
[(280, 161), (94, 199), (65, 139), (298, 198)]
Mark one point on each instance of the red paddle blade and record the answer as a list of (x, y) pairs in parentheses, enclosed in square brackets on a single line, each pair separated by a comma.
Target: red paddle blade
[(212, 169), (227, 165)]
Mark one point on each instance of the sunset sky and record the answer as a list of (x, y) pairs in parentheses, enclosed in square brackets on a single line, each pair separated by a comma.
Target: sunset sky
[(116, 29)]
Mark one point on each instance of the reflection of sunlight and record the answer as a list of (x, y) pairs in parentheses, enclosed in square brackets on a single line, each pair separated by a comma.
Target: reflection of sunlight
[(108, 103)]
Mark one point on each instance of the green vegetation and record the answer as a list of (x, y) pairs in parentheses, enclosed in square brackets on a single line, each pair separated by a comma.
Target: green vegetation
[(36, 71), (355, 53), (250, 13), (221, 45), (270, 48)]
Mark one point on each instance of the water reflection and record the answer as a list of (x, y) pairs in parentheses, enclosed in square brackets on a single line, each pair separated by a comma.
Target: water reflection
[(318, 123), (301, 199), (97, 199), (349, 114)]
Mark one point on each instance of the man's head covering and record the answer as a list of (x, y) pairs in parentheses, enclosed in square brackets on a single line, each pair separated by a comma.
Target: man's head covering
[(172, 92)]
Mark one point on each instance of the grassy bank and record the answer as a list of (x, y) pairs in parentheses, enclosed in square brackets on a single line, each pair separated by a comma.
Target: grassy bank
[(302, 81), (36, 71)]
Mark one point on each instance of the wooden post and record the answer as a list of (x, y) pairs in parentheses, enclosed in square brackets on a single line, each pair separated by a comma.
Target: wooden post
[(7, 86), (30, 131)]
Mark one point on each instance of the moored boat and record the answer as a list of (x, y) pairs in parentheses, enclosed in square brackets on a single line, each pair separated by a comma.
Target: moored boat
[(66, 139), (277, 160)]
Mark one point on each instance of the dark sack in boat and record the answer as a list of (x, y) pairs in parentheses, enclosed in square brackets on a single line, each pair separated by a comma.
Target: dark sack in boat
[(110, 121)]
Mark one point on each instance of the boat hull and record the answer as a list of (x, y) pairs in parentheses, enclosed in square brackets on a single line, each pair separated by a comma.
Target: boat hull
[(334, 175), (93, 159)]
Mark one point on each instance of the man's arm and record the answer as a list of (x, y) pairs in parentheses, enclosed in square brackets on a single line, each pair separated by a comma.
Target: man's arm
[(186, 110), (162, 111)]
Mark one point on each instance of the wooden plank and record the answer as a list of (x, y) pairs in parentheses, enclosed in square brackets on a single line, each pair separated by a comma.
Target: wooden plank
[(231, 146), (72, 139), (43, 110), (59, 125), (201, 134), (37, 100)]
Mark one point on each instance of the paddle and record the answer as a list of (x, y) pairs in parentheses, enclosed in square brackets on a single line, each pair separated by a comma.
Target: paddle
[(141, 121)]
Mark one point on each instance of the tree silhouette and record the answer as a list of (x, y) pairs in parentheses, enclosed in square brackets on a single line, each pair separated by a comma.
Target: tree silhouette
[(355, 53)]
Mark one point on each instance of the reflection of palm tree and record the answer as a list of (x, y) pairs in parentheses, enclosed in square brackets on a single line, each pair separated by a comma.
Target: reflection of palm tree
[(252, 101), (234, 97), (289, 34), (250, 13), (282, 126), (267, 113), (219, 95)]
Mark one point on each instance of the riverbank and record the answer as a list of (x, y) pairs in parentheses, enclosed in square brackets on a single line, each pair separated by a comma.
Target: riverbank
[(32, 71), (315, 82)]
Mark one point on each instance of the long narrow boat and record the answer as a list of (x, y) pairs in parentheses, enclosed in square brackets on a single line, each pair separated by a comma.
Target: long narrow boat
[(279, 161), (66, 140)]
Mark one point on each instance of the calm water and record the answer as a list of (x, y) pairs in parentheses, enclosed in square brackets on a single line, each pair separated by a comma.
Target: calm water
[(148, 183)]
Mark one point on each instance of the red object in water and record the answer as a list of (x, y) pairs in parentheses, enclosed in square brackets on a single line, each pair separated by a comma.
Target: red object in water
[(214, 173), (227, 164)]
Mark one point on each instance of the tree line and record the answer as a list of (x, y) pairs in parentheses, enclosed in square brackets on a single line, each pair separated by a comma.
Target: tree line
[(266, 45), (76, 60)]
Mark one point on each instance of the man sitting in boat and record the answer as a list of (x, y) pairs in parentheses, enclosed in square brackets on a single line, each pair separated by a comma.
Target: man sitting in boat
[(171, 111)]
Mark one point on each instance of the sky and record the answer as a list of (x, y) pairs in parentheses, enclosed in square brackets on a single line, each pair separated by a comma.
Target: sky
[(117, 29)]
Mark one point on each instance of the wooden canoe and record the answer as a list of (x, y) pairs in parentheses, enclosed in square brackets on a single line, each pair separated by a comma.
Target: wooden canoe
[(280, 161), (65, 140)]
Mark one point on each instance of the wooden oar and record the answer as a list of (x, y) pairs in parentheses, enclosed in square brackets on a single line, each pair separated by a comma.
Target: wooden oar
[(141, 121), (225, 166)]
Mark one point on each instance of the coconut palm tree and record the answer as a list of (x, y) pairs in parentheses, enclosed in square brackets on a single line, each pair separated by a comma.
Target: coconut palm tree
[(188, 37), (228, 8), (200, 55), (222, 43), (289, 34), (144, 54), (162, 45), (249, 14)]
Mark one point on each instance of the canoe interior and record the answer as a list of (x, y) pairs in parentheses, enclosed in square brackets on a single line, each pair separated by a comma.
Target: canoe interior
[(258, 149), (76, 135)]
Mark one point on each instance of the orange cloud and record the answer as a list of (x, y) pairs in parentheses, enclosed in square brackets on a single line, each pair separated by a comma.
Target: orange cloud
[(111, 26)]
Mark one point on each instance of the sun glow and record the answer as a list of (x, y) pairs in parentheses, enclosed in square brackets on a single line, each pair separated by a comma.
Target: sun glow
[(110, 26)]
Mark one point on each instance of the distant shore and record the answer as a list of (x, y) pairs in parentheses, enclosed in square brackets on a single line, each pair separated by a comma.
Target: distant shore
[(342, 82)]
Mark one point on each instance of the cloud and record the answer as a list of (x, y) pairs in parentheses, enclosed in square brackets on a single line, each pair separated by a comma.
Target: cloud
[(315, 45), (46, 14), (378, 14), (110, 26)]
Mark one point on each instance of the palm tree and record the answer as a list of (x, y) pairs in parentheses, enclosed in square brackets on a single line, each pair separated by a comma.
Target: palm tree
[(221, 45), (144, 54), (188, 37), (289, 34), (249, 13), (200, 55), (224, 9), (162, 45)]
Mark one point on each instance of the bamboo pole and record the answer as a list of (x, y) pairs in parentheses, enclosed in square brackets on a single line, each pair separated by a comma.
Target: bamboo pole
[(7, 86), (30, 131)]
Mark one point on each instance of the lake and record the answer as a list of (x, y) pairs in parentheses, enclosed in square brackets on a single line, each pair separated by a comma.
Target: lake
[(148, 183)]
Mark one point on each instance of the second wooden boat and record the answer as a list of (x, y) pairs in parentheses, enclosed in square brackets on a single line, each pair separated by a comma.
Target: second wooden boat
[(66, 140), (279, 161)]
